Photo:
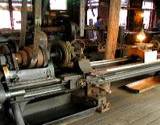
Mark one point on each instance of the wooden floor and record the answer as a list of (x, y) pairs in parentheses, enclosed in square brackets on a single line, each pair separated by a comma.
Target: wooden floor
[(128, 109)]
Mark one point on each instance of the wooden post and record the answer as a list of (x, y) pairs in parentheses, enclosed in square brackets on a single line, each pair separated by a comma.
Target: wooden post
[(113, 28), (11, 13), (23, 23), (37, 25), (82, 17)]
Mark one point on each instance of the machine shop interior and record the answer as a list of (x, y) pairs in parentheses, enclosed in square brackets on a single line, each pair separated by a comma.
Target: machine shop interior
[(79, 62)]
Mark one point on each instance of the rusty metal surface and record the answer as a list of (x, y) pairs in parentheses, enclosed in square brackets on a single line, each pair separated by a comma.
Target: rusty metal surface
[(18, 58), (24, 57), (100, 92), (40, 59)]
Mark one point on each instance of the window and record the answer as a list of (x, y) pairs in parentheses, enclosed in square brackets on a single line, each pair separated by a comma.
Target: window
[(58, 4), (92, 16), (147, 7), (123, 17), (17, 15), (123, 13), (5, 15), (92, 12)]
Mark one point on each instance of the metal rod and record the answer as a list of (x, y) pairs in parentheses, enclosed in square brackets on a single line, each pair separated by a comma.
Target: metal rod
[(17, 114), (34, 84), (42, 92), (132, 66), (127, 73), (131, 73), (107, 62), (15, 93)]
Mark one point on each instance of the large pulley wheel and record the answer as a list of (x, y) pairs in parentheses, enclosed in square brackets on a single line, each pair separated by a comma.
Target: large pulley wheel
[(61, 53)]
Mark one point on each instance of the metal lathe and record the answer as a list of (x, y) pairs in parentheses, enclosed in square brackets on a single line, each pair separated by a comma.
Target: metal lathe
[(45, 81)]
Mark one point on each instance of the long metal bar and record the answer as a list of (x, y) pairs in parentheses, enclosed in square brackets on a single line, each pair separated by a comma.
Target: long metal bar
[(130, 74), (15, 93), (117, 73), (101, 63), (133, 66), (34, 84), (127, 71), (107, 69), (42, 92)]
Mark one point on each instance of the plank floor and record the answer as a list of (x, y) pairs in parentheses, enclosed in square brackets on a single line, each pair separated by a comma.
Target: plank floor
[(128, 109)]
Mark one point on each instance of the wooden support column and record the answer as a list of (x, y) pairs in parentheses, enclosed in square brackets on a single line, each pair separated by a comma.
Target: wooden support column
[(113, 28), (37, 25), (11, 13), (23, 23), (82, 17)]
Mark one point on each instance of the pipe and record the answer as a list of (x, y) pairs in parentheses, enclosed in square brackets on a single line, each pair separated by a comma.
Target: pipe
[(17, 114)]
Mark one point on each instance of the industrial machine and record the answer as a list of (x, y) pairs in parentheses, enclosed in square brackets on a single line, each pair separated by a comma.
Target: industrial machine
[(43, 79), (46, 81), (41, 91)]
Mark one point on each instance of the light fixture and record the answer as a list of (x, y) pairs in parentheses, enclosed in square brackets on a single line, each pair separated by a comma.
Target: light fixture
[(141, 36)]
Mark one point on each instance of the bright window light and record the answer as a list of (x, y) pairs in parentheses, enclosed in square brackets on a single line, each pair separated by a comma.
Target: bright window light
[(91, 16), (58, 4), (4, 14), (147, 5), (17, 20), (147, 13), (123, 17), (124, 3)]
